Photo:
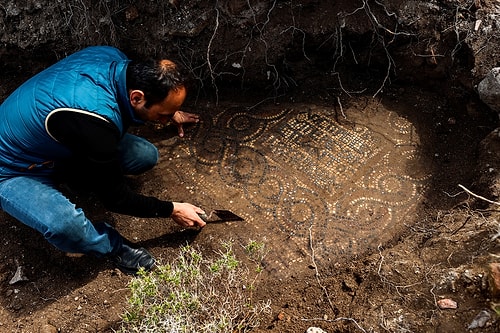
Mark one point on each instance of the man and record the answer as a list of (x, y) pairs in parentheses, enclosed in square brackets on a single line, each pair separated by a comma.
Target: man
[(70, 122)]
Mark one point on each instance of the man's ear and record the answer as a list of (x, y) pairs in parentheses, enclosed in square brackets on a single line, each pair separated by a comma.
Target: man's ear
[(136, 98)]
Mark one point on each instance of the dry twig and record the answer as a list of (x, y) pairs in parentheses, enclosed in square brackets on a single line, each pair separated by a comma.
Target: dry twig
[(317, 275), (478, 196)]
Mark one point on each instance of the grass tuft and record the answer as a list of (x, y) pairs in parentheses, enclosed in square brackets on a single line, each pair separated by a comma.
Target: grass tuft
[(195, 294)]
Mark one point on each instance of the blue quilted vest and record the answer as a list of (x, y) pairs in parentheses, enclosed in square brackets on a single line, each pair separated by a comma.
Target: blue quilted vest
[(92, 80)]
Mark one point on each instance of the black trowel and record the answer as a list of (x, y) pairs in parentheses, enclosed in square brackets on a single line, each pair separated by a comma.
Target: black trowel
[(220, 215)]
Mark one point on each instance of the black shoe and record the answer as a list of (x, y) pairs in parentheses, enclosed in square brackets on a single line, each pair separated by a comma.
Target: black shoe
[(130, 260)]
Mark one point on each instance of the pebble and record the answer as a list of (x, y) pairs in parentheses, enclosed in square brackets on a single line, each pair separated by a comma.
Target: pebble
[(315, 330), (480, 320), (47, 328), (447, 303), (489, 89), (18, 276), (494, 277)]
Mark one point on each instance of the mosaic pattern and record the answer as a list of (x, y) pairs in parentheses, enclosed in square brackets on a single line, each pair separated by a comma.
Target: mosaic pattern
[(297, 175)]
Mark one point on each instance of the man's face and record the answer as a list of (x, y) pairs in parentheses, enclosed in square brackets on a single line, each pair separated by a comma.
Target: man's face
[(163, 111)]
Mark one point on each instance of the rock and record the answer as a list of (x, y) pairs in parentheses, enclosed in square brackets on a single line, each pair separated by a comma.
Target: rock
[(447, 303), (44, 326), (480, 320), (18, 276), (489, 89), (47, 328), (315, 330), (131, 13), (494, 278)]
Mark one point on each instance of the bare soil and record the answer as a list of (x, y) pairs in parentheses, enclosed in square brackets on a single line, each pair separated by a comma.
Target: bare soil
[(439, 250), (370, 240)]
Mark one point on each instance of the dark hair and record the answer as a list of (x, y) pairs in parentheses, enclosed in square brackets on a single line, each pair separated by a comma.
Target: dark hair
[(155, 78)]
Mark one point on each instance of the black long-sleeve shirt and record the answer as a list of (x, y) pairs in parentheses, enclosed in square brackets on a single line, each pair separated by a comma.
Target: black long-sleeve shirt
[(96, 163)]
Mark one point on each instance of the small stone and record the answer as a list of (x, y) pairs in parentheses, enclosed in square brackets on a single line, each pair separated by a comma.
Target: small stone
[(174, 3), (131, 13), (18, 276), (447, 303), (494, 277), (489, 89), (315, 330), (281, 316), (480, 320), (47, 328), (74, 255)]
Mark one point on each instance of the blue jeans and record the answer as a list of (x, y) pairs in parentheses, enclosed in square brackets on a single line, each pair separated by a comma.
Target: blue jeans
[(36, 202)]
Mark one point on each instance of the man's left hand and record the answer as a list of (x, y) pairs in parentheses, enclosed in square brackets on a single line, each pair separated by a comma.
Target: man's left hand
[(180, 117)]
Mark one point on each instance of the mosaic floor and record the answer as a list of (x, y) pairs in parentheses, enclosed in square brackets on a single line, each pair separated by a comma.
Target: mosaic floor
[(300, 177)]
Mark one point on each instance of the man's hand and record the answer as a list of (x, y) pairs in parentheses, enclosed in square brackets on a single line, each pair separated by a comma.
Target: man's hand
[(180, 117), (186, 215)]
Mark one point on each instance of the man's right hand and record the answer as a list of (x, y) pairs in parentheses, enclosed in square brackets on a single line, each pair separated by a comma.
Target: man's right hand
[(186, 215)]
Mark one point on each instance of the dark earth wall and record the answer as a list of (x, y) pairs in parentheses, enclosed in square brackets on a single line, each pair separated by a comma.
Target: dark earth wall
[(269, 46)]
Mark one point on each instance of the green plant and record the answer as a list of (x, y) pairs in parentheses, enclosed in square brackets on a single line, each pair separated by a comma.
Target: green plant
[(256, 251), (194, 294), (496, 307)]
